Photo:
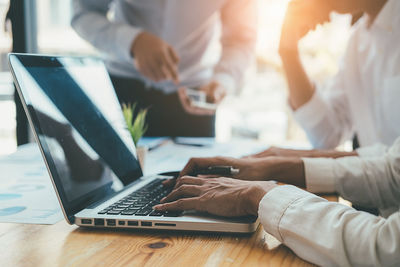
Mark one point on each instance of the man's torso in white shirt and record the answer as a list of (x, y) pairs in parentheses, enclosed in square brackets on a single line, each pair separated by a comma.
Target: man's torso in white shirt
[(363, 97), (190, 27), (378, 87)]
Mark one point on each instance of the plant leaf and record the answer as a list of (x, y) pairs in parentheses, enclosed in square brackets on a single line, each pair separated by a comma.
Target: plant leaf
[(137, 127)]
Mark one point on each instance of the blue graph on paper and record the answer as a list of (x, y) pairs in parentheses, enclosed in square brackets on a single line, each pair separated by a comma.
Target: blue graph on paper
[(26, 193), (9, 196), (11, 211)]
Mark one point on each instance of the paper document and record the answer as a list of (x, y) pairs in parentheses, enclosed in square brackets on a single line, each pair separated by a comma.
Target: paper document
[(26, 192)]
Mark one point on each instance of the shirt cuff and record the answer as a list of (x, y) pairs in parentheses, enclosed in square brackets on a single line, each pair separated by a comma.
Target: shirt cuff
[(320, 177), (376, 150), (124, 38), (312, 112), (227, 81), (274, 205)]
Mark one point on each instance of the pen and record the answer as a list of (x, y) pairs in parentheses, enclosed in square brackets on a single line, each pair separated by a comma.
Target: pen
[(158, 145), (189, 144), (195, 142), (217, 170)]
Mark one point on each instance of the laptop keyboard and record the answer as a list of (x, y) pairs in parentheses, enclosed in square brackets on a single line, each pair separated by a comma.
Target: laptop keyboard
[(141, 202)]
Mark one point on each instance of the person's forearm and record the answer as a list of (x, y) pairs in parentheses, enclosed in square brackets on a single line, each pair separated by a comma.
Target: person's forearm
[(288, 170), (254, 194), (372, 7), (300, 87)]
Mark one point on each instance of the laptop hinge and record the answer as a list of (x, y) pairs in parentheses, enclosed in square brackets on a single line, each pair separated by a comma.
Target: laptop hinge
[(71, 219)]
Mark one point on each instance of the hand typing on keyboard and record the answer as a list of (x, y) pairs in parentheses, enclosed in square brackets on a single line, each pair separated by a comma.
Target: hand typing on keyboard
[(141, 202)]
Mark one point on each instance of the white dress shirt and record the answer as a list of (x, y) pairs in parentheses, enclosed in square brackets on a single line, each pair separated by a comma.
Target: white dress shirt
[(331, 234), (191, 27), (364, 96)]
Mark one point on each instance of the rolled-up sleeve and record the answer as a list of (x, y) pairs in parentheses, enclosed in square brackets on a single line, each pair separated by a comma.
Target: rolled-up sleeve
[(273, 206), (320, 176), (376, 150), (91, 23), (328, 233), (367, 181)]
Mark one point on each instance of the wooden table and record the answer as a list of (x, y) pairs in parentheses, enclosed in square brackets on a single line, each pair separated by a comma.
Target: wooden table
[(65, 245)]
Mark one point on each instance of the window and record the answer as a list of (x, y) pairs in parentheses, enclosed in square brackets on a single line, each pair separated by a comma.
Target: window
[(55, 35), (7, 107), (5, 37)]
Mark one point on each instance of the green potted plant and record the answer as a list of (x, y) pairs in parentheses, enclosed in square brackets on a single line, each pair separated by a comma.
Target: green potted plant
[(137, 127)]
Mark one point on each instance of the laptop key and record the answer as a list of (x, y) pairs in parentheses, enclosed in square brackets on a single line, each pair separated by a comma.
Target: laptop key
[(114, 212), (132, 207), (172, 213), (118, 209), (156, 213), (143, 212), (140, 202)]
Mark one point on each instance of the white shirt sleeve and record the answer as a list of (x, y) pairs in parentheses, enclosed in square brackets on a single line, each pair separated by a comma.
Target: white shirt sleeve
[(367, 181), (331, 234), (376, 150), (328, 233), (326, 117), (91, 23), (239, 34)]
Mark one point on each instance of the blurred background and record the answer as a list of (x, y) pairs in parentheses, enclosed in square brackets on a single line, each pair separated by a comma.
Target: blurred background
[(260, 112)]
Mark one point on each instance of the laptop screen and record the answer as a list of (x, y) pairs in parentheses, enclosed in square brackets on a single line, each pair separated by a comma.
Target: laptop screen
[(81, 130)]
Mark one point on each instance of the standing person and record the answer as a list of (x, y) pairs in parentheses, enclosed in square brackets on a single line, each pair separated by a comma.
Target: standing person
[(362, 98), (155, 49)]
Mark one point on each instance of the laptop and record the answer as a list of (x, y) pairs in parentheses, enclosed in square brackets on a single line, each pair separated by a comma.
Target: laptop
[(78, 124)]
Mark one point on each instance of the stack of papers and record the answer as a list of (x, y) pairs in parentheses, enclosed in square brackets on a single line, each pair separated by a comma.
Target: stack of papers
[(26, 192)]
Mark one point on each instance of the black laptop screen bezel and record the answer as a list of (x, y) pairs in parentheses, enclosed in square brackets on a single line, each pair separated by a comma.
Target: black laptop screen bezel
[(70, 208)]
